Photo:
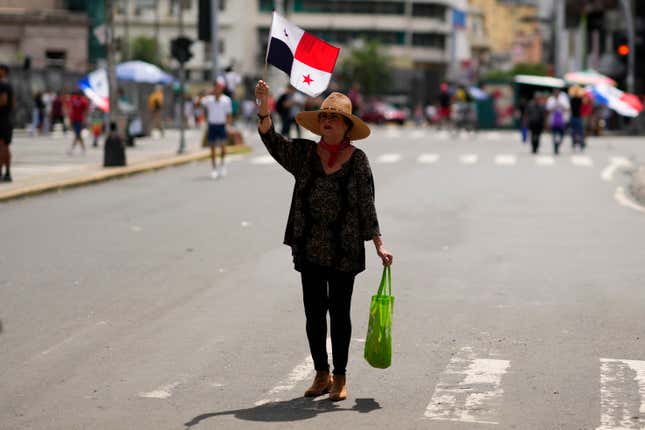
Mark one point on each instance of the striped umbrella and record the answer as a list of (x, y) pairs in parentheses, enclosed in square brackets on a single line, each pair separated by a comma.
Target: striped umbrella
[(625, 104), (588, 77)]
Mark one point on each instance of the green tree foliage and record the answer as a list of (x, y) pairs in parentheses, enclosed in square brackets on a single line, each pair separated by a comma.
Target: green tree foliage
[(145, 49), (519, 69), (369, 66)]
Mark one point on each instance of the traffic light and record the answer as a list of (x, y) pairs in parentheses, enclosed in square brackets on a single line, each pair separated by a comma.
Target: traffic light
[(204, 21), (180, 49), (622, 49)]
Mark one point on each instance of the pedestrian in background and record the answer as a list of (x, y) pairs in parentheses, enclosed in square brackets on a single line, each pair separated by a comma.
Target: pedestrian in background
[(57, 114), (155, 106), (535, 117), (445, 104), (558, 108), (576, 95), (38, 114), (78, 106), (219, 116), (7, 106), (284, 106), (332, 214), (521, 118)]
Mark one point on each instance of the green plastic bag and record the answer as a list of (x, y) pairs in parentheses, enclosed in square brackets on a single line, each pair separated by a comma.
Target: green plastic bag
[(378, 342)]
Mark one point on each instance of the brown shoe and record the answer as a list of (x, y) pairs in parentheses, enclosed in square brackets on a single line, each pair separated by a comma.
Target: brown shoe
[(321, 385), (338, 389)]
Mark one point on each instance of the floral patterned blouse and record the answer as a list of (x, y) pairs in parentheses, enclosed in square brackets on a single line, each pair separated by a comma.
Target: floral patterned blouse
[(331, 215)]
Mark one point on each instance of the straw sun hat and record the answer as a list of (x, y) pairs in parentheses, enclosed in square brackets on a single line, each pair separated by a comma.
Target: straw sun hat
[(334, 103)]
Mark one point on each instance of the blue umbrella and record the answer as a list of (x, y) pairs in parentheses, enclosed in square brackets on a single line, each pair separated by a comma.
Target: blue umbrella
[(140, 71)]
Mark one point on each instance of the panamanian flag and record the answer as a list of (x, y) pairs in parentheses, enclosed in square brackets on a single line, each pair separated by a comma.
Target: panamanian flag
[(308, 60)]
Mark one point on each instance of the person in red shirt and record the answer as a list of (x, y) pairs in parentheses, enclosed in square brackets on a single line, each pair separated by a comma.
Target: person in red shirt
[(78, 106)]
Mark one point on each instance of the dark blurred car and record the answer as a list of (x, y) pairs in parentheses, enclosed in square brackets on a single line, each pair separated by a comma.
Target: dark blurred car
[(381, 112)]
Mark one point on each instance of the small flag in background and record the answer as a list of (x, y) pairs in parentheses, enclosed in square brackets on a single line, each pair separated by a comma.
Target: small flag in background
[(308, 60)]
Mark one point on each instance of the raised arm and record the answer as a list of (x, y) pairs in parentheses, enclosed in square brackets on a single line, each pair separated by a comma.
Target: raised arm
[(262, 95)]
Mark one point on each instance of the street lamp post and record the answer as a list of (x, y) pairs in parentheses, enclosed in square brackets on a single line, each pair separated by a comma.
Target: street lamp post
[(214, 39), (182, 82)]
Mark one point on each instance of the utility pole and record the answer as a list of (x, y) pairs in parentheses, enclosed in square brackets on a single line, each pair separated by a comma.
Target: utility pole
[(182, 82), (125, 46), (111, 67), (214, 38), (559, 37), (629, 23)]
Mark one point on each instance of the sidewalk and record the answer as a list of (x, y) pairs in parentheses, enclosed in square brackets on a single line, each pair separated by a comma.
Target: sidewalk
[(41, 163)]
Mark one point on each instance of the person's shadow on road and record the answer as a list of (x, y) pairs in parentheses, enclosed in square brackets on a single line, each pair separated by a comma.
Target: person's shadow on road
[(297, 409)]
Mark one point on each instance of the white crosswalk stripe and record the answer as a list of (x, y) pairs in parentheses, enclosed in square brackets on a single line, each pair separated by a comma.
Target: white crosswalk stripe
[(545, 160), (388, 158), (428, 158), (468, 158), (505, 159), (417, 134), (581, 160), (263, 160), (622, 382), (469, 390)]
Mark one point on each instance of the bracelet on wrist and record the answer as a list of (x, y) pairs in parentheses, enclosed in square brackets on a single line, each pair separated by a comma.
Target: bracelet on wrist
[(263, 117)]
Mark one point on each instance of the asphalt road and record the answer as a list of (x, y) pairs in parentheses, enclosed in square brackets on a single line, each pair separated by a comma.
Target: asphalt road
[(167, 301)]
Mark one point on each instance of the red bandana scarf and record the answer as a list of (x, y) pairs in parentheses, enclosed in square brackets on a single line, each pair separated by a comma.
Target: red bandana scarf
[(333, 150)]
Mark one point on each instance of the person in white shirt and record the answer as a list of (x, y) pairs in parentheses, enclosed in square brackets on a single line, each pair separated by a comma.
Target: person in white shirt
[(219, 116), (558, 107)]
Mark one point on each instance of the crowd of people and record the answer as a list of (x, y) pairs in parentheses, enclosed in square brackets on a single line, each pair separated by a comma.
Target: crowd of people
[(557, 113)]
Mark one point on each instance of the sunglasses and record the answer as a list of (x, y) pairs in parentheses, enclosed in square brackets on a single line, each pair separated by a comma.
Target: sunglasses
[(329, 116)]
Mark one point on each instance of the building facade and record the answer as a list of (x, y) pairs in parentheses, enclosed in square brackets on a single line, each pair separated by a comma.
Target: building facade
[(513, 30), (416, 34), (43, 34)]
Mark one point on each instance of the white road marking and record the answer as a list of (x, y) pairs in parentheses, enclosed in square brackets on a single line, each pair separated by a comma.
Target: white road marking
[(505, 159), (263, 160), (417, 134), (615, 163), (581, 160), (492, 135), (443, 135), (301, 372), (545, 160), (246, 224), (623, 200), (163, 392), (468, 158), (622, 394), (392, 133), (388, 158), (135, 228), (428, 158), (72, 337), (469, 390)]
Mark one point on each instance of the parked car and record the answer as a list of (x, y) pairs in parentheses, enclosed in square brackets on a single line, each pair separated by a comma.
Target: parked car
[(381, 112)]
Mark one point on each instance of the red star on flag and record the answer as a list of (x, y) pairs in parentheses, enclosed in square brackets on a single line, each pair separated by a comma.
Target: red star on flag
[(307, 79)]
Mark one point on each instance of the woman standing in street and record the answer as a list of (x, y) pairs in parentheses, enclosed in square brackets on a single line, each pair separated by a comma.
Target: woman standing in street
[(332, 214)]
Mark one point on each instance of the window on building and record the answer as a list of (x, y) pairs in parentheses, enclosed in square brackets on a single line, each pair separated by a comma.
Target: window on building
[(429, 40), (429, 10), (350, 6), (55, 58), (346, 36)]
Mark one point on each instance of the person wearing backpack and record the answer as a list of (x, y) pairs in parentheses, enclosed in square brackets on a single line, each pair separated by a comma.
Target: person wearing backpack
[(534, 117), (558, 108)]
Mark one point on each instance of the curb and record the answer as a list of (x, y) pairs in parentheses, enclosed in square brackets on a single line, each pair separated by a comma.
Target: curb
[(116, 172), (637, 187)]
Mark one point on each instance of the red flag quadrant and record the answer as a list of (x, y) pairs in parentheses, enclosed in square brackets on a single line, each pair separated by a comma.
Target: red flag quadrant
[(308, 60)]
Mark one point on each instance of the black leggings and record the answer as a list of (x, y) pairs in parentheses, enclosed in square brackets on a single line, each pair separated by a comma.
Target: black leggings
[(328, 290)]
